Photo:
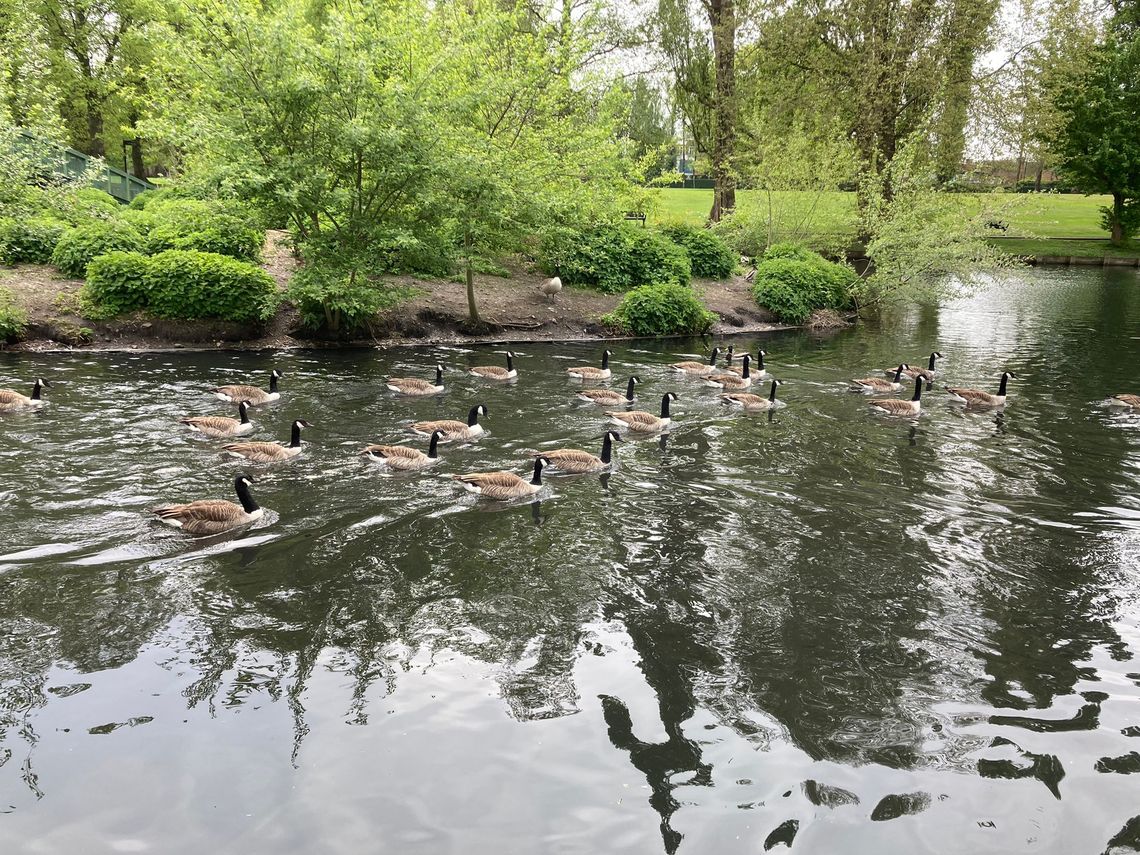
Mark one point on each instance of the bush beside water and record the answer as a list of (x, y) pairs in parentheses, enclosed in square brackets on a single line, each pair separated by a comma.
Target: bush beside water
[(709, 256), (662, 309), (13, 319), (29, 240), (79, 246), (794, 282), (614, 259)]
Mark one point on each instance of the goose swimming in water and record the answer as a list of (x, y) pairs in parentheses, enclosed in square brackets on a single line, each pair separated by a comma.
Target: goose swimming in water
[(452, 429), (733, 381), (496, 372), (979, 399), (643, 422), (897, 407), (503, 486), (269, 452), (404, 458), (574, 461), (753, 403), (414, 386), (11, 401), (608, 397), (587, 372), (220, 427), (213, 516), (911, 372), (878, 384), (698, 369), (255, 396)]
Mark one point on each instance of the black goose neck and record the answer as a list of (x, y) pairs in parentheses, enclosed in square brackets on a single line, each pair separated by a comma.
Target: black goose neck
[(438, 376), (1004, 383), (772, 394), (537, 477), (273, 382), (918, 381), (433, 446), (930, 365), (473, 416), (898, 374), (760, 360), (605, 359), (243, 411), (248, 503), (747, 366), (712, 356), (665, 406), (510, 363), (37, 388), (295, 436), (607, 448), (629, 390)]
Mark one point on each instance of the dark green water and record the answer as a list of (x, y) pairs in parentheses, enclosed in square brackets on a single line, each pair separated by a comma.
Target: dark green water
[(827, 628)]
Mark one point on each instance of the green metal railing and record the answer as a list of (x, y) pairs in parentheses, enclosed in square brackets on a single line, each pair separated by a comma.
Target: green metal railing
[(67, 164)]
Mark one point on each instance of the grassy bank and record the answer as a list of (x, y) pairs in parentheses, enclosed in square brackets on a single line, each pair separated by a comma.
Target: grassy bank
[(1036, 220)]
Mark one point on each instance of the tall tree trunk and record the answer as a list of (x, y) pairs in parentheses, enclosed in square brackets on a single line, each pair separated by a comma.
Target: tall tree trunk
[(472, 310), (1118, 218), (722, 19), (137, 165)]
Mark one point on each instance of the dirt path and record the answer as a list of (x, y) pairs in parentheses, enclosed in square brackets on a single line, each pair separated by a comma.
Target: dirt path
[(513, 306)]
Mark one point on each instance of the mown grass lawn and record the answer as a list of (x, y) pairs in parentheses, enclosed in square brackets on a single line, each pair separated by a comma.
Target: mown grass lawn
[(1031, 215)]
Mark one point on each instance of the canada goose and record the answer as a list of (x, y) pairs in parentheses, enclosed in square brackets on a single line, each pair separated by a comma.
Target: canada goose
[(878, 384), (415, 386), (453, 428), (753, 403), (699, 369), (255, 396), (643, 422), (927, 373), (897, 407), (219, 427), (588, 372), (1125, 400), (497, 372), (759, 372), (269, 452), (550, 287), (404, 458), (213, 516), (573, 461), (11, 401), (978, 398), (608, 397), (503, 485), (733, 381)]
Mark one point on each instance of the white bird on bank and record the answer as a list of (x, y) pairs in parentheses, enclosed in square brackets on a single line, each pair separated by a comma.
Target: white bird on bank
[(550, 287)]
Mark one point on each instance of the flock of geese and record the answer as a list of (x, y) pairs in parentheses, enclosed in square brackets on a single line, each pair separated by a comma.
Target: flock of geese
[(216, 516)]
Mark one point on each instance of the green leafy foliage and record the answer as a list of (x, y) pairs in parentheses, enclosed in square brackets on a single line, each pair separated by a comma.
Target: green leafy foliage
[(95, 203), (13, 319), (340, 303), (226, 236), (792, 288), (661, 309), (78, 246), (116, 283), (709, 255), (190, 284), (614, 259), (29, 240), (793, 251)]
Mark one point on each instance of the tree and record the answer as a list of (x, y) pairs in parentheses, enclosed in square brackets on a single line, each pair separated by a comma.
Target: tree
[(646, 125), (1096, 140)]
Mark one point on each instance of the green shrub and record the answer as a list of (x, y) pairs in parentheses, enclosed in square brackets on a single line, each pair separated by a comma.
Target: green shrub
[(224, 236), (793, 288), (116, 283), (13, 319), (340, 303), (709, 256), (191, 284), (96, 203), (663, 309), (77, 247), (793, 251), (29, 240), (613, 259)]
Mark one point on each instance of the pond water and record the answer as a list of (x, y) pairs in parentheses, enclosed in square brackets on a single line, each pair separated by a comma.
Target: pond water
[(824, 629)]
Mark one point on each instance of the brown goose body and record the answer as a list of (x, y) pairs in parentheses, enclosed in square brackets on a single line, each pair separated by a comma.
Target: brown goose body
[(415, 387), (497, 372), (219, 427), (574, 461), (753, 403), (698, 369), (254, 395), (610, 397), (1126, 400), (977, 398), (404, 458), (268, 452), (733, 381), (453, 429), (757, 371), (503, 486), (213, 516), (11, 400), (878, 384), (898, 407), (643, 422), (588, 372), (911, 372)]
